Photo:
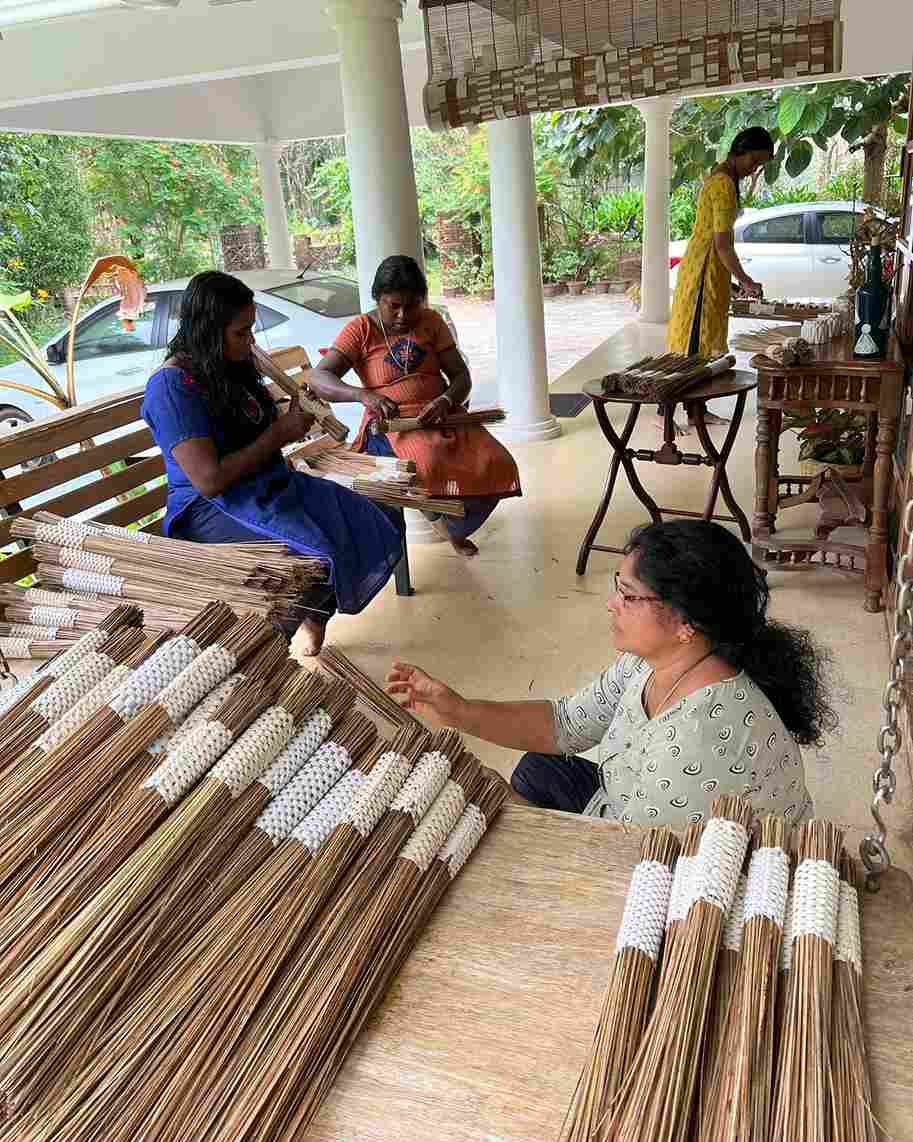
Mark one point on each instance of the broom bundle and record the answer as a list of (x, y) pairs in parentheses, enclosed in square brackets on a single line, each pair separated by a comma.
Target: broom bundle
[(737, 1108), (655, 1101), (88, 610), (679, 899), (625, 1006), (851, 1088), (456, 419), (324, 454), (308, 402), (666, 377), (727, 966), (20, 732), (801, 1110), (377, 700)]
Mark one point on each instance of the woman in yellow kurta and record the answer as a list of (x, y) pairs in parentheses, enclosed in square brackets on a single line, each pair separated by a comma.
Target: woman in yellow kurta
[(700, 309)]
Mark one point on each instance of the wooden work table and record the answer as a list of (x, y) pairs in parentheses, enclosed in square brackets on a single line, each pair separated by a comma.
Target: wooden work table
[(834, 378), (483, 1034)]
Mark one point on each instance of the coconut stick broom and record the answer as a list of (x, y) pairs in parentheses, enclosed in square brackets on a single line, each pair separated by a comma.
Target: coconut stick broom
[(740, 1086), (160, 1032), (801, 1111), (727, 967), (625, 1007), (851, 1088), (374, 697), (654, 1104), (680, 899)]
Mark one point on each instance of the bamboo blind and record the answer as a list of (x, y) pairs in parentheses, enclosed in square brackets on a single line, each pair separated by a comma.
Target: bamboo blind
[(492, 59)]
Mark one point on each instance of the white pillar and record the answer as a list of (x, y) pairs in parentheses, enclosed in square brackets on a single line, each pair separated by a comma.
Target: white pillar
[(378, 147), (278, 237), (654, 287), (520, 319)]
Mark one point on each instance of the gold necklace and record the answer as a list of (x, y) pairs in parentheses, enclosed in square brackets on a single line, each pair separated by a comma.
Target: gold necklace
[(410, 343), (678, 681)]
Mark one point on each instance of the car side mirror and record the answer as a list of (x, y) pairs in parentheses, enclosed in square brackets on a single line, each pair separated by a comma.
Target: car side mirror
[(55, 354)]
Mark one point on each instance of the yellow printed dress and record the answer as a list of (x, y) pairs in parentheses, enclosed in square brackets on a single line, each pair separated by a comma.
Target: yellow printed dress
[(700, 309)]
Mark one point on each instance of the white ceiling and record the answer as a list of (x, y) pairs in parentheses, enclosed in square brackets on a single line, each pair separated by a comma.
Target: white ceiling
[(243, 72)]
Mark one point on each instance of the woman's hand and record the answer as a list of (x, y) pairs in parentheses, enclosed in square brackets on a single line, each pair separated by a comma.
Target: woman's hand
[(436, 410), (294, 424), (427, 696), (382, 407)]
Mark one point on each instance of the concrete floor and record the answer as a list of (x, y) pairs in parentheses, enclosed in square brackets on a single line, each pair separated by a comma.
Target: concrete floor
[(516, 622)]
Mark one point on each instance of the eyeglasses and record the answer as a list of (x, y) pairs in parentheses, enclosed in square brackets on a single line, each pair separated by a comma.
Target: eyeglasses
[(626, 598)]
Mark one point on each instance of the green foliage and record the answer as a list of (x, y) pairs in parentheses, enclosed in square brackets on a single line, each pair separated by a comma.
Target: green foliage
[(169, 198), (45, 212), (830, 436), (683, 211), (621, 213)]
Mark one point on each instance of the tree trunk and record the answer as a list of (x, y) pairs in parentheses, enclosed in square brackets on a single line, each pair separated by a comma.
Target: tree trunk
[(875, 149)]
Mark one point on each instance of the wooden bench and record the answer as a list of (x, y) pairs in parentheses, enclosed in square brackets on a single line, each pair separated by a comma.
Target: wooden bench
[(133, 444)]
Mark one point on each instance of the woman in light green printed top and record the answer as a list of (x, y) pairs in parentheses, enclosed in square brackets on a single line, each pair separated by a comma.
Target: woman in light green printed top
[(709, 696)]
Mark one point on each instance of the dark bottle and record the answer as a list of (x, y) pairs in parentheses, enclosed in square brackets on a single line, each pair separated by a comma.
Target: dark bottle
[(873, 309)]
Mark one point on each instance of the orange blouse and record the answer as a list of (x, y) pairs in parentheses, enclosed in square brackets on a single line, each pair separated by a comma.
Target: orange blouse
[(450, 461)]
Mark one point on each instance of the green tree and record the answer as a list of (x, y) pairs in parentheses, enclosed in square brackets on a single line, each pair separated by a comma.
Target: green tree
[(170, 198), (45, 212), (800, 119)]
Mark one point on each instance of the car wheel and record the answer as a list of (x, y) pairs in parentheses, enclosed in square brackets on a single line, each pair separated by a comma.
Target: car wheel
[(12, 417)]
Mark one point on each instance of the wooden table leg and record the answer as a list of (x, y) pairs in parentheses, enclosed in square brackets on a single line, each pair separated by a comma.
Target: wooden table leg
[(876, 541), (765, 461), (719, 482), (619, 445), (871, 437)]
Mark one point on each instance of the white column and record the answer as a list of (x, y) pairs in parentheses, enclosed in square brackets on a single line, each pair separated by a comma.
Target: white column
[(654, 287), (378, 147), (520, 319), (278, 237)]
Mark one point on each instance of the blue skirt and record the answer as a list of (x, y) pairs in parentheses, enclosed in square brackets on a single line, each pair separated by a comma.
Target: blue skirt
[(316, 517)]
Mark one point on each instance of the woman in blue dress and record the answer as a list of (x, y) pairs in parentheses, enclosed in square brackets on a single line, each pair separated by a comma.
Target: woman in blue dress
[(221, 435)]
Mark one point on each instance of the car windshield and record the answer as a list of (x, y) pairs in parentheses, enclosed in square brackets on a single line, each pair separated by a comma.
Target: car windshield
[(330, 297)]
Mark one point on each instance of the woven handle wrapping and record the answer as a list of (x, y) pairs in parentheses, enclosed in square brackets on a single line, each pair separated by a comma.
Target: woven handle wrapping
[(328, 813), (715, 876), (816, 896), (848, 947), (87, 582), (90, 641), (195, 681), (646, 906), (72, 687), (252, 753), (185, 765), (204, 711), (85, 560), (62, 617), (734, 928), (298, 751), (463, 840), (305, 790), (768, 885), (423, 785), (33, 633), (15, 648), (381, 786), (151, 678), (680, 899), (435, 826)]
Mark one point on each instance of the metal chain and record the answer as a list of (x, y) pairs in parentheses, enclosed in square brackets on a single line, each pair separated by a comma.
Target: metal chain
[(873, 849)]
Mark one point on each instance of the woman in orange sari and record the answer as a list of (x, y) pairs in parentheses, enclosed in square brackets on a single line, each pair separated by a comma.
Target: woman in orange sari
[(408, 364)]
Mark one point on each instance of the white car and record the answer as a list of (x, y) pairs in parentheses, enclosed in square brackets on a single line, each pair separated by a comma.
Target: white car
[(308, 310), (800, 250)]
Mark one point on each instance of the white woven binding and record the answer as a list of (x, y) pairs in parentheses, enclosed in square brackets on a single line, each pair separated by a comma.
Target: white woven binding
[(680, 898), (299, 750), (97, 697), (12, 694), (71, 687), (204, 711), (15, 648), (252, 753), (848, 948), (719, 862), (786, 948), (84, 645), (423, 785), (85, 560), (68, 533), (646, 906), (435, 826), (328, 813), (90, 581), (119, 532), (184, 766), (303, 792), (817, 896), (62, 617), (733, 929), (463, 840), (150, 679), (38, 597), (375, 797), (195, 681), (33, 633), (768, 885)]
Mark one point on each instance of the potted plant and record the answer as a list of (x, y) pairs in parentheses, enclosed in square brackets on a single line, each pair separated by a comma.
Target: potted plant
[(552, 286), (568, 269), (604, 268), (485, 279), (829, 438)]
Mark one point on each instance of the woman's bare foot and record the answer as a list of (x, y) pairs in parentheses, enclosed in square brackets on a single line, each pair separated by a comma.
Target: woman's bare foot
[(464, 547), (712, 418), (309, 638)]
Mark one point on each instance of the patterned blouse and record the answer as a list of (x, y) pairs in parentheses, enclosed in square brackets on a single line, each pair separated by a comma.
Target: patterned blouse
[(723, 738)]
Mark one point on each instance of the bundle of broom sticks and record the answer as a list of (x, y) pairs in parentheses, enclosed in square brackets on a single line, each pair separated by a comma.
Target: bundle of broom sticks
[(221, 848), (667, 377), (755, 1032), (460, 418)]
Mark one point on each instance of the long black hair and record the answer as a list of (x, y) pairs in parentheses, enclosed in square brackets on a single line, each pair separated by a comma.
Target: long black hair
[(751, 139), (211, 301), (399, 274), (705, 574)]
